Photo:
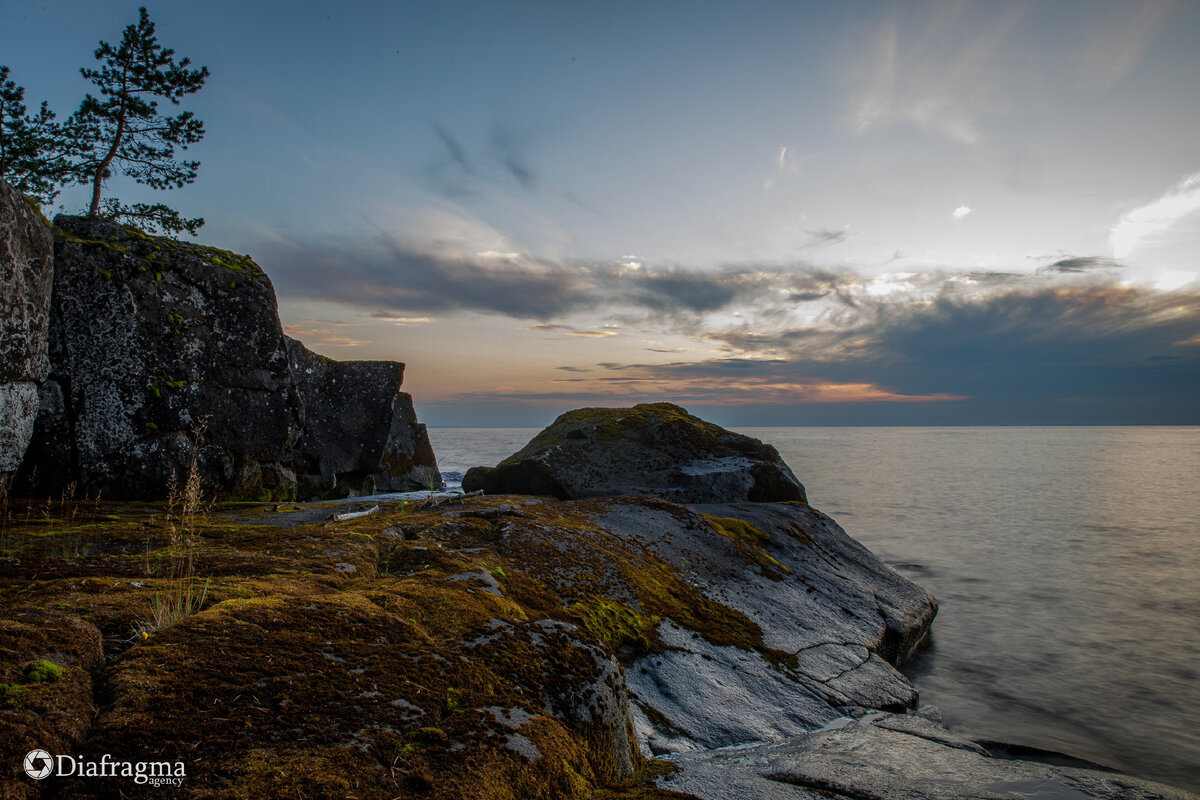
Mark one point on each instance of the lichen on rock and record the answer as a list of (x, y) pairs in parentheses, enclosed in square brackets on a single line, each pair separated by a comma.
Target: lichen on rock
[(25, 280)]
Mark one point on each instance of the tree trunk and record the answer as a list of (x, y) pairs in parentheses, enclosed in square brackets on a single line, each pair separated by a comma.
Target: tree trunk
[(98, 178)]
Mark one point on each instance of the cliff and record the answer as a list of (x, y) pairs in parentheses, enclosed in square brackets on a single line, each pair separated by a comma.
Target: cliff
[(25, 276), (161, 352)]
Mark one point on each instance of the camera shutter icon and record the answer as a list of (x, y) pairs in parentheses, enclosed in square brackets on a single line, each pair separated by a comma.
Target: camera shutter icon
[(39, 764)]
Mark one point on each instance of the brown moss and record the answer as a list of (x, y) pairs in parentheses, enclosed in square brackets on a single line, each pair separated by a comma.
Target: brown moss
[(305, 678)]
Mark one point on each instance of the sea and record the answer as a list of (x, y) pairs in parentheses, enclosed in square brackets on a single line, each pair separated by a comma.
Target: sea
[(1065, 561)]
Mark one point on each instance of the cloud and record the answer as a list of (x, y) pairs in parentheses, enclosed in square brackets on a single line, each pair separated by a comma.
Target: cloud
[(1064, 352), (1120, 39), (1076, 264), (960, 212), (387, 317), (512, 156), (318, 332), (998, 340), (943, 79), (1153, 219), (828, 236)]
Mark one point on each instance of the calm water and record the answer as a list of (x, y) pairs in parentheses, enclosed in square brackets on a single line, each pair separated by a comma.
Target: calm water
[(1066, 562)]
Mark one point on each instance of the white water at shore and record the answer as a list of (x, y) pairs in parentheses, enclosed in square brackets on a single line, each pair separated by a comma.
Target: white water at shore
[(1066, 562)]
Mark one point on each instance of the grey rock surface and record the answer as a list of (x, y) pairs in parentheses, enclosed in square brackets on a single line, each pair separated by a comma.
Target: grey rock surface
[(361, 434), (838, 618), (18, 410), (26, 273), (656, 449), (892, 757), (149, 338)]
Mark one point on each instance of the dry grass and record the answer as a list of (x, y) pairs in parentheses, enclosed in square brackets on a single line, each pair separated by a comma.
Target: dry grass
[(182, 593)]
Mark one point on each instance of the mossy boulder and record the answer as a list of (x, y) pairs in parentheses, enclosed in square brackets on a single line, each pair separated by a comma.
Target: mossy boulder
[(25, 279), (656, 449)]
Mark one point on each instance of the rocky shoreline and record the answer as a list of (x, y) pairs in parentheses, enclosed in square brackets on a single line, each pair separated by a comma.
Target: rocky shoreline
[(637, 604)]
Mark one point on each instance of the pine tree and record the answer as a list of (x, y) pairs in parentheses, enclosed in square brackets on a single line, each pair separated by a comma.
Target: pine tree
[(34, 150), (123, 130)]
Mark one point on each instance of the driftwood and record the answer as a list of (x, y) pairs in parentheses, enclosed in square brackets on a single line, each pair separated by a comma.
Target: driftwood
[(355, 514), (445, 499)]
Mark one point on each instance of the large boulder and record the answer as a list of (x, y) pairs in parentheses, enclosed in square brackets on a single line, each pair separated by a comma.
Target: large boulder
[(361, 433), (25, 277), (657, 449), (151, 340)]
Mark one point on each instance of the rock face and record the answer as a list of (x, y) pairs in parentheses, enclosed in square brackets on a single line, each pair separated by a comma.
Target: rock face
[(657, 449), (361, 433), (162, 352), (25, 278), (899, 758), (833, 620), (150, 338)]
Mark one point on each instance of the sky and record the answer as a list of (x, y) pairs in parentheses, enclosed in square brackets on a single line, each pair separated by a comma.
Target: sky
[(772, 213)]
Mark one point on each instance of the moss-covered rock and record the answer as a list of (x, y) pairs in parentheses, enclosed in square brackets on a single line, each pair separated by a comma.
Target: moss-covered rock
[(484, 649), (654, 448)]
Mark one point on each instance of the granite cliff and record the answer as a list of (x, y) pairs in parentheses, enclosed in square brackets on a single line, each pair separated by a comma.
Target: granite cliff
[(150, 351)]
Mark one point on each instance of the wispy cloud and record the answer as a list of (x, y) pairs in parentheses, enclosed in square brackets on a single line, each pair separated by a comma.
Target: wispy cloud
[(1153, 219), (320, 332), (1119, 40), (944, 79), (960, 212)]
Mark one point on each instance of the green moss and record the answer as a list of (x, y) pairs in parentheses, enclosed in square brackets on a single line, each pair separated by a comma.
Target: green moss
[(12, 691), (36, 208), (103, 273), (626, 631), (152, 426), (43, 671), (750, 542), (64, 236)]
